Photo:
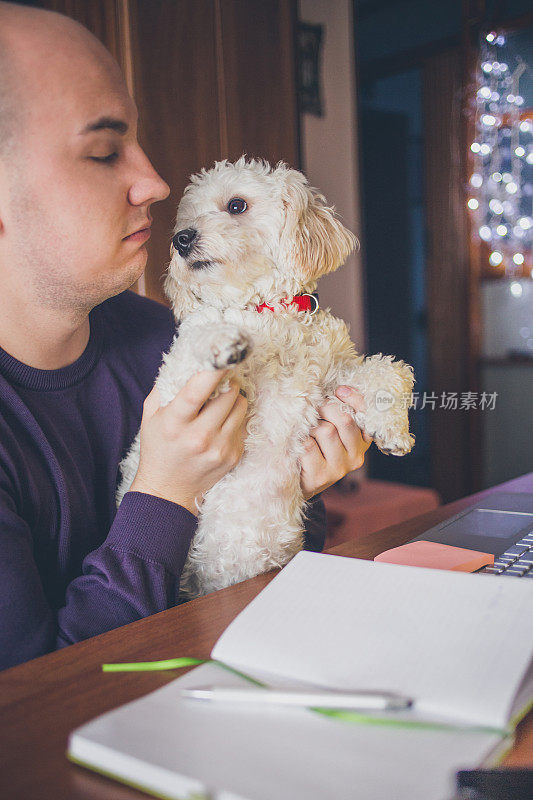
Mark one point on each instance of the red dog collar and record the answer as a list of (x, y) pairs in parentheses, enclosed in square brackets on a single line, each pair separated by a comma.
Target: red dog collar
[(305, 302)]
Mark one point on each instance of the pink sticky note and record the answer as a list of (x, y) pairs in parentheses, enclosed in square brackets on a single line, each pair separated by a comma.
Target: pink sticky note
[(436, 556)]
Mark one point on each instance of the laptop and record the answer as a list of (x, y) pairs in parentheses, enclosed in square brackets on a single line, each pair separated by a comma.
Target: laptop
[(501, 524)]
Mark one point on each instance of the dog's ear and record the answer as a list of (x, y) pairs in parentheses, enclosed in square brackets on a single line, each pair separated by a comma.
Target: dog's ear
[(313, 240)]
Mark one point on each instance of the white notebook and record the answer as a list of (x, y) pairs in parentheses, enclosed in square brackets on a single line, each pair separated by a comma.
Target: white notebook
[(460, 644)]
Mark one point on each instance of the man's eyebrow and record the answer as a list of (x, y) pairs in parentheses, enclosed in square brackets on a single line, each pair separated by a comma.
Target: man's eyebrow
[(106, 123)]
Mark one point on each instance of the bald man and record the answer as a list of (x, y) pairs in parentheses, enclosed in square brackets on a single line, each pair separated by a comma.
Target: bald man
[(79, 355)]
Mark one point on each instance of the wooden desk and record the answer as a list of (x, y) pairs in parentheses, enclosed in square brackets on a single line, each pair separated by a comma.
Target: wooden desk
[(43, 700)]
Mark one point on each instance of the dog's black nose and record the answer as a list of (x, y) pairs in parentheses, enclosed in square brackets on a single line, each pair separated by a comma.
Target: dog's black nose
[(183, 241)]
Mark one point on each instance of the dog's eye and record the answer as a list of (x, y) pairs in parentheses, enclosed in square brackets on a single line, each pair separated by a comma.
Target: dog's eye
[(237, 205)]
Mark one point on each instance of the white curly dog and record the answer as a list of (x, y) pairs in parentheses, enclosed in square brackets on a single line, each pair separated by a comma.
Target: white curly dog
[(248, 234)]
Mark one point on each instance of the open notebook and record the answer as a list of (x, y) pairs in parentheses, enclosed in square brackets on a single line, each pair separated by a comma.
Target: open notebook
[(460, 644)]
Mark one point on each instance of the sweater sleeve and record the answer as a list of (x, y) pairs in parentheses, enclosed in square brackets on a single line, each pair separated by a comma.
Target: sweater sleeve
[(133, 574)]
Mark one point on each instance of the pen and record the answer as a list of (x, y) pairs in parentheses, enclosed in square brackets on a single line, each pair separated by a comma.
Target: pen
[(347, 701)]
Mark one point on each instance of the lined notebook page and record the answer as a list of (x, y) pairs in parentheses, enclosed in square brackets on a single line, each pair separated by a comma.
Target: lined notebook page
[(458, 643)]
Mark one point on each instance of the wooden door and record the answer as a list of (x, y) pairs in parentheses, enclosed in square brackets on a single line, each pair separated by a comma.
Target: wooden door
[(452, 289), (174, 53)]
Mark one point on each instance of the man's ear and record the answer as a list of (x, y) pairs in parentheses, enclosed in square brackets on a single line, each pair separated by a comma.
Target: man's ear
[(314, 242)]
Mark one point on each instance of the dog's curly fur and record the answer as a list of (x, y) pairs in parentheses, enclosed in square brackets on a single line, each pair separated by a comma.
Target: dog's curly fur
[(287, 361)]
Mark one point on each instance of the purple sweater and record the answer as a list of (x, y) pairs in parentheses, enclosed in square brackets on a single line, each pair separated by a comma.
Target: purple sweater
[(71, 565)]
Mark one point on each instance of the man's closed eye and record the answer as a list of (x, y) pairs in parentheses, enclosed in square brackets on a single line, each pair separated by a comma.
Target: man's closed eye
[(105, 159)]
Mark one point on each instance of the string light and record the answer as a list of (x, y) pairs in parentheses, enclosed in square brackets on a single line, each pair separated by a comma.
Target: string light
[(501, 182)]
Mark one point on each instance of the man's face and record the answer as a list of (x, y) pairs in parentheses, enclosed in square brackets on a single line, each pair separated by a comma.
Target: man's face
[(78, 185)]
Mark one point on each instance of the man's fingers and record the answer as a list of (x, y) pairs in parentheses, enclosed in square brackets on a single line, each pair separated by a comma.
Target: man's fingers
[(151, 404), (236, 416), (198, 389), (330, 444), (344, 422), (352, 397), (356, 401), (313, 455), (354, 442), (217, 410), (348, 431)]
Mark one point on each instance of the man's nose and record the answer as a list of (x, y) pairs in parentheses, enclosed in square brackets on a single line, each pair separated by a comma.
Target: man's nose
[(149, 187), (184, 240)]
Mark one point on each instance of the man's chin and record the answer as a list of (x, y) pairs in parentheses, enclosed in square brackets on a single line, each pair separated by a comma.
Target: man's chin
[(117, 283), (131, 273)]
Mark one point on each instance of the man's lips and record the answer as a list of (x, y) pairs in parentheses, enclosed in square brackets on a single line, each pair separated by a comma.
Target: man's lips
[(140, 235)]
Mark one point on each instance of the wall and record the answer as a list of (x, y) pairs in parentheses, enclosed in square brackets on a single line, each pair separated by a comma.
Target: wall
[(329, 152)]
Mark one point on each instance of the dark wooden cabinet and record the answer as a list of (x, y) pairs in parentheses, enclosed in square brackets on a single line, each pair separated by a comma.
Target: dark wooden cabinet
[(212, 79), (257, 43)]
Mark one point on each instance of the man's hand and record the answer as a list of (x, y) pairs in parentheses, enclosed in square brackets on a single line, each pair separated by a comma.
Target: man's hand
[(190, 444), (335, 447)]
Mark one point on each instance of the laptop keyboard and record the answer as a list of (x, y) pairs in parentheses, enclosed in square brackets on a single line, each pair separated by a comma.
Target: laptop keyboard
[(517, 561)]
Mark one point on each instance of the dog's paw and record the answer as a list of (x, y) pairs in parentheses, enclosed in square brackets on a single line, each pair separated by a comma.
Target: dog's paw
[(396, 445), (229, 349)]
